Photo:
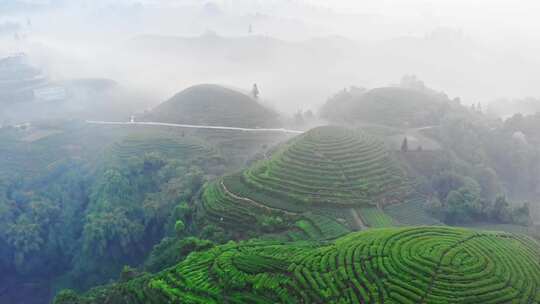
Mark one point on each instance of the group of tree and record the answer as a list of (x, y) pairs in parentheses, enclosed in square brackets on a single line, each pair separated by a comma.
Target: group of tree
[(87, 222), (458, 199)]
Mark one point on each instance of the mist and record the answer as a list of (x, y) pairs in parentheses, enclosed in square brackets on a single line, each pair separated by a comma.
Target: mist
[(298, 52)]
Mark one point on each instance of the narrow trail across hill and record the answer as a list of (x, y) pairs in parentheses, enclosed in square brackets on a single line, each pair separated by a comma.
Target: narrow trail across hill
[(254, 202), (357, 219), (163, 124)]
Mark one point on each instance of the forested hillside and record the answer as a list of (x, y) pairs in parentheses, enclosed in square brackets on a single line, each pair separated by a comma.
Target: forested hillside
[(83, 197)]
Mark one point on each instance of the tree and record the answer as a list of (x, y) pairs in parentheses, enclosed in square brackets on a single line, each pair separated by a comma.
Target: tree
[(67, 296), (128, 273), (500, 211), (25, 237), (434, 206), (405, 145), (179, 227), (461, 206), (255, 91), (521, 215)]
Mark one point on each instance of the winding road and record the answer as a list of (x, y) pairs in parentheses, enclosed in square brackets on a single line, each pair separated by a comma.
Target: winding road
[(163, 124)]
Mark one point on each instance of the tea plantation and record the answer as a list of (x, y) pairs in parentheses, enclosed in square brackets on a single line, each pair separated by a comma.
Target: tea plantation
[(187, 148), (387, 265), (329, 170)]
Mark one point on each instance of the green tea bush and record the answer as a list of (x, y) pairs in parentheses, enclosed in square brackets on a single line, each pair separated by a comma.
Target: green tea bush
[(387, 265)]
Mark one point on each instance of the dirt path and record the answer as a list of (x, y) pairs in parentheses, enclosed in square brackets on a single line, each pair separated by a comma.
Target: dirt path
[(357, 219), (254, 202), (162, 124)]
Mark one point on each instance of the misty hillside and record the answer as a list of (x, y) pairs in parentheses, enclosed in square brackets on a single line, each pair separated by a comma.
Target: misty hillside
[(215, 105), (390, 106)]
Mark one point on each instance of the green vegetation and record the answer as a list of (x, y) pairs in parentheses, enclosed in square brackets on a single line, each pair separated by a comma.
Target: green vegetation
[(140, 196), (317, 227), (213, 105), (78, 205), (172, 250), (388, 265), (242, 147), (501, 157), (411, 212), (325, 168), (151, 206), (376, 218)]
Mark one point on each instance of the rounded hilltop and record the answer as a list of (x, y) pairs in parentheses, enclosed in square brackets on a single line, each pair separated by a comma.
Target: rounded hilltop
[(391, 265), (210, 104), (394, 106), (331, 170)]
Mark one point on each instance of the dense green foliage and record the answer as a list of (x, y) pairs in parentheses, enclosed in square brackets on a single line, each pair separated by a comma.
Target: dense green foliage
[(500, 156), (172, 250), (85, 202), (132, 203), (390, 265), (213, 105)]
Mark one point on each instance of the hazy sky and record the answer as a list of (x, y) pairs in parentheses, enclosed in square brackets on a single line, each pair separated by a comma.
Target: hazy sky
[(477, 49)]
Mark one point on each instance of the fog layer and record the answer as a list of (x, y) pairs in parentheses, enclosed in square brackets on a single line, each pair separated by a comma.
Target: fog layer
[(299, 52)]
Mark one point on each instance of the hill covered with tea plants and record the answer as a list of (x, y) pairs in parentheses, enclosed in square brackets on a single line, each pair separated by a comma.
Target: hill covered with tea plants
[(209, 104), (328, 171), (390, 265)]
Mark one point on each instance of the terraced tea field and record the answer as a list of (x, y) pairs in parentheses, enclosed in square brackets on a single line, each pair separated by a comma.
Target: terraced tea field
[(185, 148), (376, 218), (327, 167), (388, 265), (411, 213)]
